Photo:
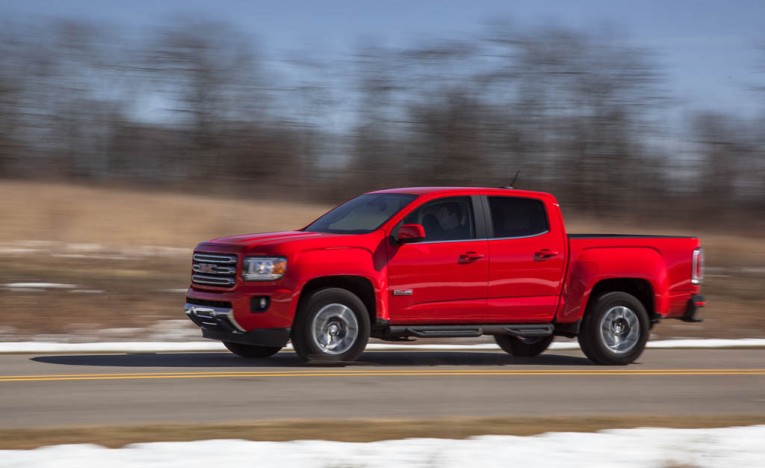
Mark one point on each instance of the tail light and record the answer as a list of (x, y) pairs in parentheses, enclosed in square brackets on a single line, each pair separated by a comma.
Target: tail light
[(697, 273)]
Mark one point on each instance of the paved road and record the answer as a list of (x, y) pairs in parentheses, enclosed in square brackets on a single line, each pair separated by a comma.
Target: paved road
[(59, 390)]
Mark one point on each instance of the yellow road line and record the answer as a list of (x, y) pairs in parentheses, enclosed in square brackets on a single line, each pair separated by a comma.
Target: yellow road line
[(358, 372)]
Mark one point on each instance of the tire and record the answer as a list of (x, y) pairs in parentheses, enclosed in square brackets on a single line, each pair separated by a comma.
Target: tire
[(615, 329), (332, 325), (251, 351), (524, 346)]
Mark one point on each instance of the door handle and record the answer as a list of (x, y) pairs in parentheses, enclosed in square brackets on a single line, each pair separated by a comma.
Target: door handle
[(468, 257), (544, 254)]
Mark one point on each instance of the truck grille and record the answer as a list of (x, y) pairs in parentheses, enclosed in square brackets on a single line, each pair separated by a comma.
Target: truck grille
[(214, 269)]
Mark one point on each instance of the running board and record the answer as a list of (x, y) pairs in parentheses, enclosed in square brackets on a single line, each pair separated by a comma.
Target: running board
[(438, 331), (470, 331), (545, 329)]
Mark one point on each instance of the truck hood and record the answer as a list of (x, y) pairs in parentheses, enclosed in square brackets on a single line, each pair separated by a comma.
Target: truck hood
[(266, 238), (277, 240)]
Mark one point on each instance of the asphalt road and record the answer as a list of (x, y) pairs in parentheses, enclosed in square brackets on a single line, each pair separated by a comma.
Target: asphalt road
[(60, 390)]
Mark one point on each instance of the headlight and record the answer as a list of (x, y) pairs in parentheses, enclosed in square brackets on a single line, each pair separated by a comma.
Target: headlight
[(263, 268)]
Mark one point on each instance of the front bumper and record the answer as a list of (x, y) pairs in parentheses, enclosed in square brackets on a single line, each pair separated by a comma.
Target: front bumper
[(218, 323), (213, 318)]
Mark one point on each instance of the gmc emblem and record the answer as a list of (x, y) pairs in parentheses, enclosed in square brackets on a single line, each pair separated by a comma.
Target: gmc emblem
[(206, 268)]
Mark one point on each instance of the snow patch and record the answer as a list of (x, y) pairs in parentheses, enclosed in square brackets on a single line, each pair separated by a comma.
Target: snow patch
[(708, 343), (108, 347), (35, 243), (90, 256), (83, 247), (58, 344), (753, 270), (90, 250), (40, 285), (16, 251), (641, 447)]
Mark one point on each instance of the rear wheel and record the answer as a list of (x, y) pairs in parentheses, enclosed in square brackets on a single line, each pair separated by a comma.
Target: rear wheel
[(615, 329), (524, 346), (251, 351), (332, 325)]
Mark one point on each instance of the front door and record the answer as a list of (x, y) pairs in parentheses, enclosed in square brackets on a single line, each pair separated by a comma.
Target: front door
[(442, 279)]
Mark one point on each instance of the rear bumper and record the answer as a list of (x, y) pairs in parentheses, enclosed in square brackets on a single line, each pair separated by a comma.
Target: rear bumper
[(696, 302), (218, 323)]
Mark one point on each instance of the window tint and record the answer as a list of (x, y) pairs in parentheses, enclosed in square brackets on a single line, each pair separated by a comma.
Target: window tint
[(361, 215), (446, 219), (517, 217)]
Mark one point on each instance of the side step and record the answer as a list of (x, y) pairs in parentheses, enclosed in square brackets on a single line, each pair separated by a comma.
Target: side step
[(469, 331), (542, 329), (437, 331)]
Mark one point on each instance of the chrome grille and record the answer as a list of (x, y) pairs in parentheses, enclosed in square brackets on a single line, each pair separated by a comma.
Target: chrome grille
[(214, 269)]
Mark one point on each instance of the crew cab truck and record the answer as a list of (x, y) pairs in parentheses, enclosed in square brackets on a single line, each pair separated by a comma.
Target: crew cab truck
[(438, 262)]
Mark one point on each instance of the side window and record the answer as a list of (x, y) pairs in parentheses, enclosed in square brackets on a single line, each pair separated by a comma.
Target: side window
[(446, 219), (517, 217)]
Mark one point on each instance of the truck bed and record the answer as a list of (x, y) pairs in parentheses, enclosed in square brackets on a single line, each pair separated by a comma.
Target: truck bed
[(665, 261)]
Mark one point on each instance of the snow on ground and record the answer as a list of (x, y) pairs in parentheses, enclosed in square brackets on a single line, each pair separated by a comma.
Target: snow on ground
[(89, 250), (39, 285), (643, 447), (188, 346)]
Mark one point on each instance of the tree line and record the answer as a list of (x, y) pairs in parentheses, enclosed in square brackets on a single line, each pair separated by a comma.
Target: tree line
[(199, 106)]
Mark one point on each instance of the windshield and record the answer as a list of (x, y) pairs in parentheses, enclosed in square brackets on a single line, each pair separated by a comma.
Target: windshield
[(362, 214)]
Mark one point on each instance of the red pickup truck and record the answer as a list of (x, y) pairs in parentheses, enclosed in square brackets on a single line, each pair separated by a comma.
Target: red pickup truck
[(441, 262)]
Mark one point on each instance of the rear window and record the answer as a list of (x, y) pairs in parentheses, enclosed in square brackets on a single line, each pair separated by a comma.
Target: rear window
[(517, 217)]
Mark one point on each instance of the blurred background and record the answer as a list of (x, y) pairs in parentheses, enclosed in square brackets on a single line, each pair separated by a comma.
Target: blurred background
[(129, 131)]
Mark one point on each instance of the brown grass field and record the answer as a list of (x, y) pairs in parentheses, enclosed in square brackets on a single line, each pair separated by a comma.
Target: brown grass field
[(133, 246), (361, 430)]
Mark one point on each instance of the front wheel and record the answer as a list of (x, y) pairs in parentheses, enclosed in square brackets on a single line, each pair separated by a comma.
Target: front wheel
[(615, 329), (332, 325), (524, 346), (251, 351)]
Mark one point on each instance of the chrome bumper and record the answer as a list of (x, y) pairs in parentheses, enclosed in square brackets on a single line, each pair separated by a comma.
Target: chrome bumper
[(213, 318)]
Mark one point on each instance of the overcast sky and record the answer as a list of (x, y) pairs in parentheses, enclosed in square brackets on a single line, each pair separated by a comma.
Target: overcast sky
[(708, 48)]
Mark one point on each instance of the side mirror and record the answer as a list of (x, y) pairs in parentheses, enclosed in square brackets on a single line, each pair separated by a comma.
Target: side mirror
[(409, 233)]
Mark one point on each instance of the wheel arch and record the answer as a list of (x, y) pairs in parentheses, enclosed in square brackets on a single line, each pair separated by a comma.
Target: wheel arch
[(640, 288), (360, 286)]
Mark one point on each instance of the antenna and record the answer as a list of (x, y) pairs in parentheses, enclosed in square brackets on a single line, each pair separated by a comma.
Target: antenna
[(512, 184)]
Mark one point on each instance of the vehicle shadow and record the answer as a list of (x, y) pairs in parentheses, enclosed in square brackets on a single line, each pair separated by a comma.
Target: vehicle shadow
[(290, 360)]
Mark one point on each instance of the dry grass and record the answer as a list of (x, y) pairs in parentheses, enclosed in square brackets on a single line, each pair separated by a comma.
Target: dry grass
[(352, 430), (65, 213), (722, 249), (133, 287)]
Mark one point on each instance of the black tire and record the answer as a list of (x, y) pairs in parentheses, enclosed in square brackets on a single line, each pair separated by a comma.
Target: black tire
[(251, 351), (615, 329), (331, 325), (524, 347)]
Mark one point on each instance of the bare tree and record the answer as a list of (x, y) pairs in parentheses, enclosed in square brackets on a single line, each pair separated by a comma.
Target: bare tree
[(209, 72), (10, 90), (587, 96)]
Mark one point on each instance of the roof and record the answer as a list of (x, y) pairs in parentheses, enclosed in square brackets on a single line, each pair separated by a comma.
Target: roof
[(464, 191)]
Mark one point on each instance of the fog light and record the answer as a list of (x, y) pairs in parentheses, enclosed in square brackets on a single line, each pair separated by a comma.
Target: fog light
[(259, 303)]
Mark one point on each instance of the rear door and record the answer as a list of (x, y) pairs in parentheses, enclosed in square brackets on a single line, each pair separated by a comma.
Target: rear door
[(527, 260), (442, 279)]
